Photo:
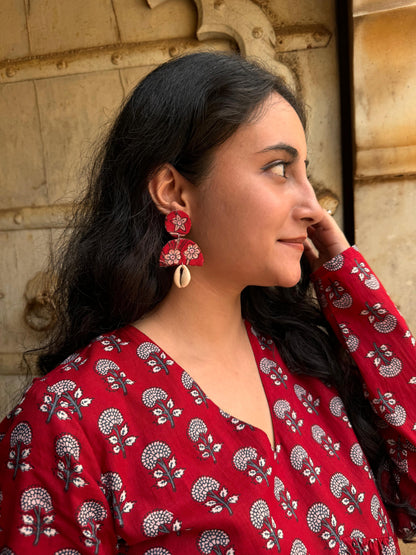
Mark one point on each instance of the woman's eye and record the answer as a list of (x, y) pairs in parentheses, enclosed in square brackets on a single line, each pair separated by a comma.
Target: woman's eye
[(277, 168)]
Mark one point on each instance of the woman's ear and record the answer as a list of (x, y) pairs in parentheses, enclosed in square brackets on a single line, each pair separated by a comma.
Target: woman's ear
[(170, 190)]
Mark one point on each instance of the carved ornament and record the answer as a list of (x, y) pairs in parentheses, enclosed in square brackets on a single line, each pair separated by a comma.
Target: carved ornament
[(39, 311), (245, 23)]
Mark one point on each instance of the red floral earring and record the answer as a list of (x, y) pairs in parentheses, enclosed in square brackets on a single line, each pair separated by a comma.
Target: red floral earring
[(179, 251)]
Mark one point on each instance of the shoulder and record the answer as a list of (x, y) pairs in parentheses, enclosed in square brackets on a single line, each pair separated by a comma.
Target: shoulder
[(84, 383)]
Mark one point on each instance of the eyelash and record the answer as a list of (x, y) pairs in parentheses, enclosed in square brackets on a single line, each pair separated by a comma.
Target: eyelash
[(275, 164)]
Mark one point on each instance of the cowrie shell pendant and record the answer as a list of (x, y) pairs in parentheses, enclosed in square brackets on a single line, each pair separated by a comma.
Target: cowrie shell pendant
[(182, 276)]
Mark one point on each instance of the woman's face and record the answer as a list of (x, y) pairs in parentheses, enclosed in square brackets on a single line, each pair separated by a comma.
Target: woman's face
[(250, 214)]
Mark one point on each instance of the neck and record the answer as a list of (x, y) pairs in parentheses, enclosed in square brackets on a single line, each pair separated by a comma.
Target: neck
[(203, 313)]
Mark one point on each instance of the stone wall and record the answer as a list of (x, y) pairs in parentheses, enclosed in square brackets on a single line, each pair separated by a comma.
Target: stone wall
[(384, 84), (384, 74)]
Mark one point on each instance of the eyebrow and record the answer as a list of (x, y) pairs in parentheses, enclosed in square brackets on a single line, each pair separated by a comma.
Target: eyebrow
[(292, 151)]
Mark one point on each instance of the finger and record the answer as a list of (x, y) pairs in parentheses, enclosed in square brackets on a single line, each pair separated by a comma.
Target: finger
[(311, 253)]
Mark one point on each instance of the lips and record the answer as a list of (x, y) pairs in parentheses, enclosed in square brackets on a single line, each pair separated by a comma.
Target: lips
[(300, 240), (295, 242)]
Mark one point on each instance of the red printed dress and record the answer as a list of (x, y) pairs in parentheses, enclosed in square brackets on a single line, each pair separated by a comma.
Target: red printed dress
[(119, 450)]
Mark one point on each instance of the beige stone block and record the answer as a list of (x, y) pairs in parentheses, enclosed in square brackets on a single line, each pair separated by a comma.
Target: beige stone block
[(363, 7), (386, 234), (24, 253), (384, 85), (14, 41), (302, 12), (11, 390), (173, 19), (35, 217), (12, 363), (74, 111), (407, 548), (394, 160), (22, 177), (55, 26), (130, 77)]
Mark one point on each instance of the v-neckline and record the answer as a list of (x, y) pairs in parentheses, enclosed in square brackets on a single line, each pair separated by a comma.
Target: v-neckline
[(256, 351)]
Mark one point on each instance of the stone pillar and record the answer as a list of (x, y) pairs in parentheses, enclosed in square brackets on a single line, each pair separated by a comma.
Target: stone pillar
[(384, 85)]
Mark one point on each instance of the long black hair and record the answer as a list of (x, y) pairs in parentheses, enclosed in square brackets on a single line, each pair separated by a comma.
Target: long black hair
[(108, 273)]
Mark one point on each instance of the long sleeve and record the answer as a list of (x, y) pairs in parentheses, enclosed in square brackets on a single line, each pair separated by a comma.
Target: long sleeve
[(52, 500), (378, 338)]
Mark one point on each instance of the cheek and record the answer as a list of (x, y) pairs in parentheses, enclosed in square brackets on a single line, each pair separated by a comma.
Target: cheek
[(222, 232)]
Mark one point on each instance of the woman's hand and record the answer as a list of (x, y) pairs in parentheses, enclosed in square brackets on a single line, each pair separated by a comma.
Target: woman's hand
[(326, 240)]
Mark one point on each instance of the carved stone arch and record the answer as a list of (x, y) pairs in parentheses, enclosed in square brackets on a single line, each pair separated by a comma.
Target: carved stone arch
[(245, 23)]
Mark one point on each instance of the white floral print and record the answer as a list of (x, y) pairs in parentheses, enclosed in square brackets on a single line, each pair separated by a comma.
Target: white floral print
[(68, 469), (160, 522), (116, 497), (110, 422), (284, 498), (215, 541), (157, 455), (154, 357), (198, 433), (20, 439), (247, 460), (36, 504), (262, 520), (64, 399), (112, 374), (320, 519), (156, 398), (90, 515), (210, 492)]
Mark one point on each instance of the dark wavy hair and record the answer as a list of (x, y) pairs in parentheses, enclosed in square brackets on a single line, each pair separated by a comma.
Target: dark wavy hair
[(108, 273)]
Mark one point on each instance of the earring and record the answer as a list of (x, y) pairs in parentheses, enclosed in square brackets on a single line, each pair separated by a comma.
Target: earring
[(179, 251)]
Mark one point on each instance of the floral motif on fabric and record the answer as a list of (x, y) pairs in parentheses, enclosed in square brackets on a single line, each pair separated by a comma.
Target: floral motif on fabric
[(36, 505), (67, 449), (113, 375), (284, 498), (160, 522), (154, 357), (157, 457), (194, 389), (208, 491), (20, 441), (215, 541), (112, 485), (111, 422), (262, 520), (247, 460), (157, 400), (90, 516), (198, 433), (64, 399)]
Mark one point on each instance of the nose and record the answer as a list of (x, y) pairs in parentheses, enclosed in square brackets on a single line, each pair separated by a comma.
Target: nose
[(309, 210)]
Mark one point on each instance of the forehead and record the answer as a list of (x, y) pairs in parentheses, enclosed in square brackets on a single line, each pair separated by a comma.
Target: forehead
[(275, 122)]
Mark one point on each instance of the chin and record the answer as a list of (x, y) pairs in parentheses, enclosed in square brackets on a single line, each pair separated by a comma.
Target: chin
[(289, 280), (277, 277), (288, 283)]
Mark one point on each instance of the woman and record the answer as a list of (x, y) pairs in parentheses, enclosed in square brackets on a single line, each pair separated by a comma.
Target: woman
[(221, 415)]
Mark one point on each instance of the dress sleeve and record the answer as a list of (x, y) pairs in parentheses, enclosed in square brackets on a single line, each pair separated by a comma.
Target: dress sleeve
[(378, 338), (51, 499)]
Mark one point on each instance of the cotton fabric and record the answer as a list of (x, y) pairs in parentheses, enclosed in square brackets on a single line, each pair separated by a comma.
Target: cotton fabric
[(118, 450)]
